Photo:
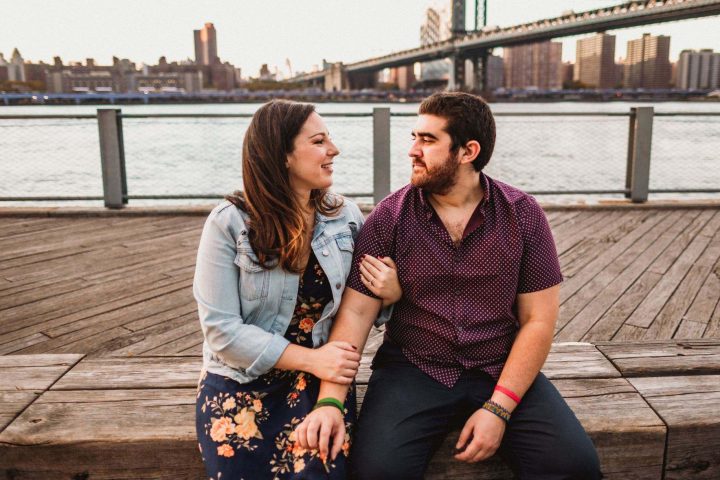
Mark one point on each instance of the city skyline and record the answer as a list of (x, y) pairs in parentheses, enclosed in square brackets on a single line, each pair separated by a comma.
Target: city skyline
[(128, 31)]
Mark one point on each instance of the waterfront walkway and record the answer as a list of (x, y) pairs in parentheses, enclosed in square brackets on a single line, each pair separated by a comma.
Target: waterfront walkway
[(121, 285)]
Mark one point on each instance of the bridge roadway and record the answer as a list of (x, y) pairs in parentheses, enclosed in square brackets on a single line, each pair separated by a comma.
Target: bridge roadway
[(630, 14)]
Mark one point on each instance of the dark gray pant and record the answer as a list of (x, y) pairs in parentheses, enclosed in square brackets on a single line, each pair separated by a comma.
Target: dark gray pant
[(406, 415)]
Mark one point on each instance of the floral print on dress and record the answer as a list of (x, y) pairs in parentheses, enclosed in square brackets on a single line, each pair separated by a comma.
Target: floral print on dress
[(234, 420)]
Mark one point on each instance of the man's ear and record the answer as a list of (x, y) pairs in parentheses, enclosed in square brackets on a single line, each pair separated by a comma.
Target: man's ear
[(470, 151)]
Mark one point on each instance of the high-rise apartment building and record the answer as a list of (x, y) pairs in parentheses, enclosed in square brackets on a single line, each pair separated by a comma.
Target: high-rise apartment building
[(698, 70), (206, 45), (595, 61), (435, 29), (536, 65), (13, 70), (648, 62)]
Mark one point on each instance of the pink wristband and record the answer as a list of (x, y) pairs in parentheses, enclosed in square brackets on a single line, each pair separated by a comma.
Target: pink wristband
[(508, 392)]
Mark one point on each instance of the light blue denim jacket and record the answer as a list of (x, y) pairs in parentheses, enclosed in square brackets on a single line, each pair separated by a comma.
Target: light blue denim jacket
[(245, 310)]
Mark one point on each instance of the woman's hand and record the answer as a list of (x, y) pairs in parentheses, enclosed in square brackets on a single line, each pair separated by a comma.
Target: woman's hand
[(380, 277), (336, 362)]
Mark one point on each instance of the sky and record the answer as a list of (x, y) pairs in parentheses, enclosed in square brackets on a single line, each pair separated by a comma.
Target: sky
[(253, 32)]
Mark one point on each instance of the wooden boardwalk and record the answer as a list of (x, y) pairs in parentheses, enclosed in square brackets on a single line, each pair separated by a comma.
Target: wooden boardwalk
[(122, 285)]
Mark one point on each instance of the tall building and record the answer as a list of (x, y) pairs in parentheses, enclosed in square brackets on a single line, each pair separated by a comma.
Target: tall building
[(698, 70), (496, 72), (648, 62), (3, 68), (435, 29), (206, 45), (595, 61), (536, 65), (15, 68)]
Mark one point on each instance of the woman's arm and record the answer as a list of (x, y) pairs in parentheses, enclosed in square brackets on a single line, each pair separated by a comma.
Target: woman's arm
[(244, 346)]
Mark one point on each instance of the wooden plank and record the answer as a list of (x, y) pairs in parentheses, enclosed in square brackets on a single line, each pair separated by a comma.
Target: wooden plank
[(707, 298), (33, 372), (713, 328), (655, 301), (575, 283), (689, 407), (12, 403), (66, 314), (609, 233), (138, 343), (175, 347), (24, 342), (681, 242), (586, 227), (692, 357), (109, 434), (126, 373), (672, 313), (611, 284)]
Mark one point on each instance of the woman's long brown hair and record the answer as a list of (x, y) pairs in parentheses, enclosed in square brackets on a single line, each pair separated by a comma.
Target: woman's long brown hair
[(277, 227)]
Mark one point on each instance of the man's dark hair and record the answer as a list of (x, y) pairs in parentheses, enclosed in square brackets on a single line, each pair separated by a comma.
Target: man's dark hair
[(468, 118)]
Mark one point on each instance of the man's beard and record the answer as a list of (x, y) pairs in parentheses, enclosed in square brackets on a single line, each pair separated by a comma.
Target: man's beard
[(438, 180)]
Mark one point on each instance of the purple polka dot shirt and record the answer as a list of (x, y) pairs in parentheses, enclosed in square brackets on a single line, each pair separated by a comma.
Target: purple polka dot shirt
[(458, 310)]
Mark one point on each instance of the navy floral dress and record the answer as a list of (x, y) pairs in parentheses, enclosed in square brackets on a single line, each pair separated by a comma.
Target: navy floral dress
[(246, 431)]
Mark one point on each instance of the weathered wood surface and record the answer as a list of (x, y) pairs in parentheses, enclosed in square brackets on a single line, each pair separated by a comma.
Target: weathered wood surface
[(685, 357), (690, 407), (108, 434), (122, 285), (24, 377), (143, 407), (107, 373)]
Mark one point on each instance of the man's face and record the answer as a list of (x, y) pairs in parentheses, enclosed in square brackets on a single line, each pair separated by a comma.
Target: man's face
[(434, 166)]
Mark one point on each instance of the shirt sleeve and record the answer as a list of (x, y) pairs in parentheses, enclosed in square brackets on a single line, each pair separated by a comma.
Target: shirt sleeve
[(373, 239), (539, 266)]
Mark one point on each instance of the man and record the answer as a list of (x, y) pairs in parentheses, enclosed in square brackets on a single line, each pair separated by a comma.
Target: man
[(480, 277)]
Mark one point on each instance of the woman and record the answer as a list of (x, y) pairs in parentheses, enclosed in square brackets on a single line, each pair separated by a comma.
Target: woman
[(270, 272)]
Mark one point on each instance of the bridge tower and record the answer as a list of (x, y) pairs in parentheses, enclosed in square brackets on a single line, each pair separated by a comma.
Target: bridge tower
[(479, 59)]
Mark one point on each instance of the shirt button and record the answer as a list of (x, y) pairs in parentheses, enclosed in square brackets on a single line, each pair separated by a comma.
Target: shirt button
[(325, 253), (337, 285)]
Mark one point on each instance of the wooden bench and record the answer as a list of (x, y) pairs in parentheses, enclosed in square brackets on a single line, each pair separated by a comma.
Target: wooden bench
[(651, 409)]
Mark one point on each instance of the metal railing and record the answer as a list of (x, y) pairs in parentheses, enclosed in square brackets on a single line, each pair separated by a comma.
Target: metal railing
[(527, 142)]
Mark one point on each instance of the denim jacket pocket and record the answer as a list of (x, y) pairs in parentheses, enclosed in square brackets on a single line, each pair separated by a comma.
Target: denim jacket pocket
[(253, 278), (346, 245)]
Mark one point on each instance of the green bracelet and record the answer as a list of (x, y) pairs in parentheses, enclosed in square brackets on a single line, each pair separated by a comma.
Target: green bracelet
[(497, 409), (329, 401)]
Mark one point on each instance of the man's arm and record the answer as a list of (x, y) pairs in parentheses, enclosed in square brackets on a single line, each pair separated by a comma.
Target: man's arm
[(537, 314), (352, 324)]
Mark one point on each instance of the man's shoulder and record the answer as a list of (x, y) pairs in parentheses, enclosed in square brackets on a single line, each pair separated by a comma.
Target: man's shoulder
[(390, 207)]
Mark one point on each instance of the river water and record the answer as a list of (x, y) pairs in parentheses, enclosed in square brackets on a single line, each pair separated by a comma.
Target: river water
[(165, 156)]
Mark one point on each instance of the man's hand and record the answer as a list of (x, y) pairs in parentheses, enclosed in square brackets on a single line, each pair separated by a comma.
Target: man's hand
[(318, 428), (480, 437), (336, 362)]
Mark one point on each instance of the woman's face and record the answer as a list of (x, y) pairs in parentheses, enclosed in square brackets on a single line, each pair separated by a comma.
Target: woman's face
[(310, 165)]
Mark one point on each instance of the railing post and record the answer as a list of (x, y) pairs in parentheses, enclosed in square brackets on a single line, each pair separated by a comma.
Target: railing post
[(112, 157), (639, 145), (381, 154), (630, 151)]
